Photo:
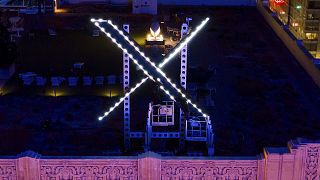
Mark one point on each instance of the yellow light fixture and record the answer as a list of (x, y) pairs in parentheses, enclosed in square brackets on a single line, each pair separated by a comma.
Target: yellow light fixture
[(155, 33)]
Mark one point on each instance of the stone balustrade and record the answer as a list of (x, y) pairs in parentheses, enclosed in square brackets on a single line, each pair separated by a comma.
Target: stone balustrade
[(301, 160)]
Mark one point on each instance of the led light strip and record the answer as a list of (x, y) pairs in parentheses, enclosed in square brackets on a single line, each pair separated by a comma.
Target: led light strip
[(137, 85), (150, 77), (122, 99), (188, 39), (152, 63)]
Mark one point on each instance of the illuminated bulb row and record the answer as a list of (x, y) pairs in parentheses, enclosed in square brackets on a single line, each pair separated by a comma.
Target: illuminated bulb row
[(167, 92), (152, 63), (130, 42), (122, 99), (175, 87), (142, 68), (149, 76), (125, 50), (186, 41), (165, 61), (98, 20), (138, 85), (188, 100)]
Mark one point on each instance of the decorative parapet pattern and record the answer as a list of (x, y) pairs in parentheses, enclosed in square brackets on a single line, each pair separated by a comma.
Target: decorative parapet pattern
[(209, 169), (8, 169), (301, 161), (312, 164), (88, 169)]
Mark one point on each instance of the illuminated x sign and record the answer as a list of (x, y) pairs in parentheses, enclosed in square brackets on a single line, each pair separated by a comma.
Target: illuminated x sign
[(149, 68)]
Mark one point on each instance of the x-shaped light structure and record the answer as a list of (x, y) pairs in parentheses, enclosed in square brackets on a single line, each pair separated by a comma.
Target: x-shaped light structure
[(124, 42)]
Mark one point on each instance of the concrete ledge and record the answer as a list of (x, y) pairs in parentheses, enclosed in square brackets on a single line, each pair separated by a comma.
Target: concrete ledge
[(297, 161), (294, 46)]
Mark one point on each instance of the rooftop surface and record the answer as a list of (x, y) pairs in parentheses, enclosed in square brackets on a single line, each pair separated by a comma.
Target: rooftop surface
[(263, 97)]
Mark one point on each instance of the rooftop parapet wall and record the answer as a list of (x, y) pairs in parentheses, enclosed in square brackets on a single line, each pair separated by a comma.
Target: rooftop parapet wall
[(208, 2), (231, 168), (295, 46), (173, 2), (300, 161)]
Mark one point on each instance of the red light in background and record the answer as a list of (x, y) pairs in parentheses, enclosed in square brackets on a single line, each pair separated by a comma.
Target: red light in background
[(279, 2)]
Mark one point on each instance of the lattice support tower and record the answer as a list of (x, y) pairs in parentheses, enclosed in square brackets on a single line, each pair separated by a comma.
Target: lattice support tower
[(126, 103), (183, 81), (155, 73)]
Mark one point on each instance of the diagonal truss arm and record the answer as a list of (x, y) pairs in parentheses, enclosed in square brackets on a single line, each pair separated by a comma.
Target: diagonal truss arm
[(142, 61)]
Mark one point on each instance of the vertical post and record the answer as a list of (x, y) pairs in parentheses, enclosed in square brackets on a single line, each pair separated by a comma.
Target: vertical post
[(28, 168), (148, 134), (184, 57), (149, 166), (183, 81), (28, 165), (210, 137), (126, 103)]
